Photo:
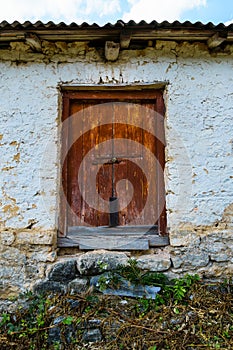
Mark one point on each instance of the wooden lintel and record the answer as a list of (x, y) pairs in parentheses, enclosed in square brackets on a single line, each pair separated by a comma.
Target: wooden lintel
[(34, 42), (66, 88), (216, 40), (125, 38)]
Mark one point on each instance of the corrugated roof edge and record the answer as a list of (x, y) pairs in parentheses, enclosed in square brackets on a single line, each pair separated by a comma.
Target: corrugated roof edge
[(119, 24)]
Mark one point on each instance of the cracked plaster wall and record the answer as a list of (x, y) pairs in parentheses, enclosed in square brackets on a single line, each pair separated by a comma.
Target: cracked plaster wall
[(199, 150)]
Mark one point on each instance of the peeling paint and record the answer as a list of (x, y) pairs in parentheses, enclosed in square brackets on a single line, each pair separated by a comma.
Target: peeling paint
[(12, 209), (17, 157), (14, 143), (8, 168)]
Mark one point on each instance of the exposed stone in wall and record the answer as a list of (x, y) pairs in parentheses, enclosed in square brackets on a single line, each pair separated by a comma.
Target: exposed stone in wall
[(78, 285), (24, 256), (95, 262), (78, 274), (42, 238), (78, 51), (75, 274), (159, 262), (63, 271), (189, 259)]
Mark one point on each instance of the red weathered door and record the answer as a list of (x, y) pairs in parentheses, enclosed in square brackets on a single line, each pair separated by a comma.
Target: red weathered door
[(114, 147)]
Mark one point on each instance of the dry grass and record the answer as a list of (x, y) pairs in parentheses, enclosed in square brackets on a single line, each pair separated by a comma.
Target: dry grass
[(202, 320)]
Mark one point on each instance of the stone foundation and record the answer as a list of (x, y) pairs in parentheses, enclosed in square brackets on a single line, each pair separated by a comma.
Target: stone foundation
[(25, 256), (30, 260)]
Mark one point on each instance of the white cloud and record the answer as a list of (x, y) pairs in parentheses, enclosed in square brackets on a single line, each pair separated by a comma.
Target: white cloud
[(57, 10), (101, 7), (34, 10), (228, 22), (100, 11), (160, 10), (132, 2)]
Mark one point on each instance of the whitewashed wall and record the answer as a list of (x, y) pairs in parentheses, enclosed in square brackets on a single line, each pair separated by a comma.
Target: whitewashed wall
[(199, 136)]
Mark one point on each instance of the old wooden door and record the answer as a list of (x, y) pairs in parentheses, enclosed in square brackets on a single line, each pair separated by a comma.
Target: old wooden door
[(113, 160)]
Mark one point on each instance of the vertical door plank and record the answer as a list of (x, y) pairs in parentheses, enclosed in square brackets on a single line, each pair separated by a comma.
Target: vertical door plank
[(105, 154), (75, 158), (62, 229)]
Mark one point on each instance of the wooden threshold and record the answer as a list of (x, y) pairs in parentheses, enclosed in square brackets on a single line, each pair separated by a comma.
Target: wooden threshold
[(113, 238)]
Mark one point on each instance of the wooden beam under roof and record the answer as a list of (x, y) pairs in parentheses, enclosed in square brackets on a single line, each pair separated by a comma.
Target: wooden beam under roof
[(216, 40), (34, 42), (124, 35)]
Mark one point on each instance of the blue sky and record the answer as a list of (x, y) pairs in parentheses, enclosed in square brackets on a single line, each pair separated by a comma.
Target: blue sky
[(216, 11), (103, 11)]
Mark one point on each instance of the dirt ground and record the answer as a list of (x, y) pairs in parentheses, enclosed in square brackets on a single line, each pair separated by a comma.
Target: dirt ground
[(203, 319)]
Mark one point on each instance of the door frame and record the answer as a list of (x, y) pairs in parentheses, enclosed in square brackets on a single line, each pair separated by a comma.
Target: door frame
[(69, 93)]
